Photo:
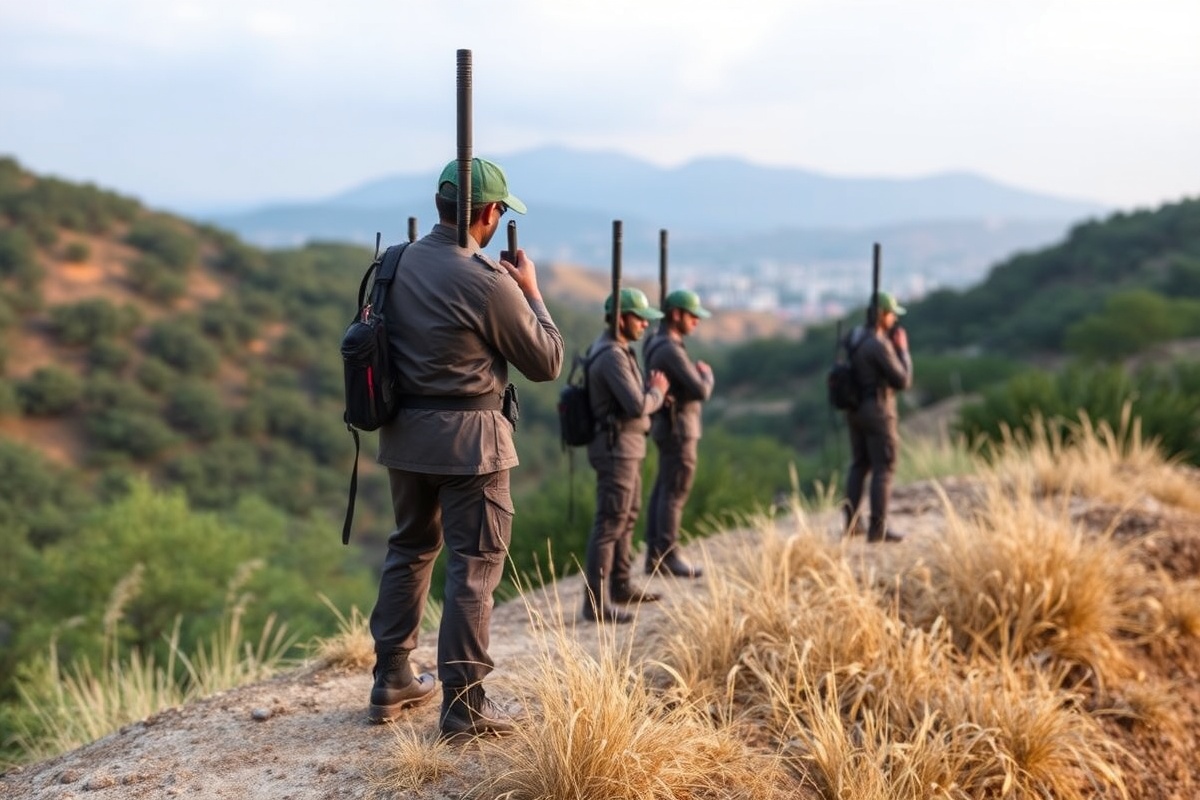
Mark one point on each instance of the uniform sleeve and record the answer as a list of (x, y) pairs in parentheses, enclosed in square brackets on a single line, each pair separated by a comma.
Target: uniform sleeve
[(523, 332), (895, 368), (686, 381), (618, 371)]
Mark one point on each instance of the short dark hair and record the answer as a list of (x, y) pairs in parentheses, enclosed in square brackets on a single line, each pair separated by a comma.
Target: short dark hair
[(448, 210)]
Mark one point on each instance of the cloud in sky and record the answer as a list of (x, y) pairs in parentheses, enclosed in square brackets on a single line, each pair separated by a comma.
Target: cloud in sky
[(239, 101)]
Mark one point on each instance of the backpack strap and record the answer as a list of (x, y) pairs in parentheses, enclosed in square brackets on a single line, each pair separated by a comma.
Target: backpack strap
[(384, 275), (385, 272), (353, 490)]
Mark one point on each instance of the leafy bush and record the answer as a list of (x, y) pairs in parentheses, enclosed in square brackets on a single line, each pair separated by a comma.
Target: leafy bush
[(92, 319), (194, 408), (77, 253), (123, 432), (228, 324), (108, 355), (152, 277), (1166, 399), (49, 391), (9, 404), (154, 374), (18, 259), (165, 239), (1130, 322), (180, 344), (939, 377)]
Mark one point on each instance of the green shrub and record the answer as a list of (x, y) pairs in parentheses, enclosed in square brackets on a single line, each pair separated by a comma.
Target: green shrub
[(108, 355), (88, 320), (18, 257), (49, 391), (194, 408), (9, 403), (153, 278), (180, 344), (77, 253), (154, 374), (1166, 399), (228, 324), (126, 432), (166, 239)]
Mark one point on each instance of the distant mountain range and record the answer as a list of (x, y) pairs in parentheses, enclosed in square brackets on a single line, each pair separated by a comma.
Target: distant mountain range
[(720, 214)]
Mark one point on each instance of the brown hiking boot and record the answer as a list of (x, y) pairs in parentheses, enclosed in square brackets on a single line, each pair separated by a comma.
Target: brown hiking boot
[(607, 613), (396, 688), (672, 564), (468, 713), (626, 593)]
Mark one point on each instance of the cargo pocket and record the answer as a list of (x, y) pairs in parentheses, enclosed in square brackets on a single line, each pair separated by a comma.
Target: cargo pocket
[(495, 526)]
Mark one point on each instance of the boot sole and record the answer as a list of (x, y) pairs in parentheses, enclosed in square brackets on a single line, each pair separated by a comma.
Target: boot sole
[(378, 714)]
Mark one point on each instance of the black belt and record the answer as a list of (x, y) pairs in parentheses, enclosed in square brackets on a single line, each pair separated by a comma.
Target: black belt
[(449, 402)]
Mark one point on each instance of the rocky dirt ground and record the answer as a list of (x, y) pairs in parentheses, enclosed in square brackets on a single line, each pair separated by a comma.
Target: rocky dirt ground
[(304, 735)]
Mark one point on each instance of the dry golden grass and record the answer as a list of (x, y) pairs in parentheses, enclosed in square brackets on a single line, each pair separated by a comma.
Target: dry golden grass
[(416, 759), (351, 647), (1019, 581), (1119, 466), (959, 677), (607, 734)]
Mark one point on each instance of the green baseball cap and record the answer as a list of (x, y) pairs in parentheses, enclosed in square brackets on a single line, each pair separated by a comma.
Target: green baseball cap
[(488, 184), (688, 301), (633, 301), (887, 302)]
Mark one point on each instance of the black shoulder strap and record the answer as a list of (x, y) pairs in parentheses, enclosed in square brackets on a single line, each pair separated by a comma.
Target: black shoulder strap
[(384, 268), (384, 276)]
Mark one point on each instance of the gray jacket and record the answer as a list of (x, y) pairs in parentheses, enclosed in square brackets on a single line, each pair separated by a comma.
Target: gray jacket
[(621, 403), (880, 370), (680, 415), (456, 320)]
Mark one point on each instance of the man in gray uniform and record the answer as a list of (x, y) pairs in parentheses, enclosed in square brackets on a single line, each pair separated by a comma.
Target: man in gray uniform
[(882, 366), (456, 320), (675, 429), (621, 404)]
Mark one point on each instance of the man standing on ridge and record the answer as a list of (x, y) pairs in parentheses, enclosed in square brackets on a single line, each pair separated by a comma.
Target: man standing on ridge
[(456, 320), (621, 403), (882, 366), (675, 429)]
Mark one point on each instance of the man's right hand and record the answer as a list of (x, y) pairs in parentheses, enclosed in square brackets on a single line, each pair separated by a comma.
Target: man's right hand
[(524, 272), (899, 339), (658, 380)]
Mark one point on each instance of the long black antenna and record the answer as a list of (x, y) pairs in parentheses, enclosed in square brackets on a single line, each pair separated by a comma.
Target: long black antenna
[(873, 310), (464, 145), (615, 323), (412, 229), (512, 241), (662, 267)]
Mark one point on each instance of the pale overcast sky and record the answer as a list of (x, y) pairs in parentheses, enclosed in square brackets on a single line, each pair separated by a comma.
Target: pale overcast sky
[(209, 103)]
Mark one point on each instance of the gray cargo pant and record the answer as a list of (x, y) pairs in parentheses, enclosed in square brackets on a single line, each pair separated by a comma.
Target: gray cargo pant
[(618, 503), (874, 443), (472, 515), (676, 470)]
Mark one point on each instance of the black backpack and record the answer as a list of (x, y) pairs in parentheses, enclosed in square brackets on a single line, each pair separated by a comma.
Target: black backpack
[(371, 397), (576, 424), (844, 392)]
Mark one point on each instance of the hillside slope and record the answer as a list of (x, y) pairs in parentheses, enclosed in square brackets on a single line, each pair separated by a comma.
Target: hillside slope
[(304, 735)]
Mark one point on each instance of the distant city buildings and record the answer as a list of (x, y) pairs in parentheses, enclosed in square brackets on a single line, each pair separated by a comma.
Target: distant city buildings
[(804, 293)]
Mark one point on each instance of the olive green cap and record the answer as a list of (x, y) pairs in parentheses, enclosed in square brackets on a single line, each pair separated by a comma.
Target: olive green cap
[(687, 301), (887, 302), (633, 301), (488, 184)]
